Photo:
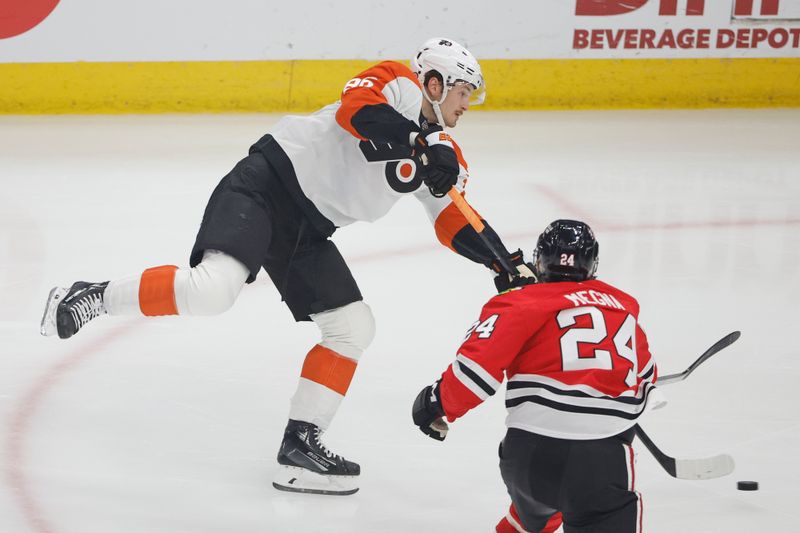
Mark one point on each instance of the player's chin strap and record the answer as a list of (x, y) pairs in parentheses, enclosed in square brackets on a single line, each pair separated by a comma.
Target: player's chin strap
[(435, 104), (438, 111)]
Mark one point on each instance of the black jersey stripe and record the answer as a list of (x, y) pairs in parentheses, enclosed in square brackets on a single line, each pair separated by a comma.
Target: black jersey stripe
[(475, 378), (381, 123), (514, 402), (516, 385)]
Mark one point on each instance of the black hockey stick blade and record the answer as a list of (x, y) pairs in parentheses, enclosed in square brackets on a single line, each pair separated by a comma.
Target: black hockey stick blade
[(724, 342), (691, 469)]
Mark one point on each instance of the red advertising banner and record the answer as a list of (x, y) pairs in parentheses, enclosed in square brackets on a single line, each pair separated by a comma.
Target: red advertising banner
[(19, 16), (678, 25)]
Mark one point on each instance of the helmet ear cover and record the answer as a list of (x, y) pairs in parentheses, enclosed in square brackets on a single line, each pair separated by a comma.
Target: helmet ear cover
[(566, 251)]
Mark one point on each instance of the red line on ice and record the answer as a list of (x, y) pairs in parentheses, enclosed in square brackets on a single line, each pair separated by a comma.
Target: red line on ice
[(20, 423)]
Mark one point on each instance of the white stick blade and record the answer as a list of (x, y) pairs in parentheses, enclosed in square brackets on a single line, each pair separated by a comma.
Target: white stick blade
[(708, 468)]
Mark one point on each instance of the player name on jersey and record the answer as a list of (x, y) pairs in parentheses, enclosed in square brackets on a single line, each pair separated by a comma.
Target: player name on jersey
[(590, 297)]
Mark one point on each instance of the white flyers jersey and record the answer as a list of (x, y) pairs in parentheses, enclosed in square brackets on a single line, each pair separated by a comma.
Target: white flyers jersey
[(347, 177)]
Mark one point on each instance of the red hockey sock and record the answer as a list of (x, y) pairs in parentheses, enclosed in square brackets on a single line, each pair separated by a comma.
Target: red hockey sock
[(511, 523)]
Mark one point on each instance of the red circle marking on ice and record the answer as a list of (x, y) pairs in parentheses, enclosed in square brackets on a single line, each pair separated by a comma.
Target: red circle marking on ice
[(405, 170), (19, 16)]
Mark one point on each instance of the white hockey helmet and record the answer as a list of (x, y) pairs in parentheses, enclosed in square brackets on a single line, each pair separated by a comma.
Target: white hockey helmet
[(454, 63)]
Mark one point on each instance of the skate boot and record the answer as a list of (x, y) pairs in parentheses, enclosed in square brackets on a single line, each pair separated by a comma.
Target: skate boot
[(306, 465), (68, 310)]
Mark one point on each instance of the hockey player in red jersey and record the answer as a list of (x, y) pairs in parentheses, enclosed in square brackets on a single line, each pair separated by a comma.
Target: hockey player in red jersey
[(350, 161), (579, 374)]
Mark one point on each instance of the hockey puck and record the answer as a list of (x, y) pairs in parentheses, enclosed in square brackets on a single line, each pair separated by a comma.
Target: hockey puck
[(747, 485)]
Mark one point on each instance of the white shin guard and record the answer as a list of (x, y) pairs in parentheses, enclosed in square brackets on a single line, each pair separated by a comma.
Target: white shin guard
[(347, 331), (210, 288)]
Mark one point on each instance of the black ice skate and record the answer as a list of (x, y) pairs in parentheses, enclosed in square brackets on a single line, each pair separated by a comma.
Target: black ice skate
[(306, 465), (68, 310)]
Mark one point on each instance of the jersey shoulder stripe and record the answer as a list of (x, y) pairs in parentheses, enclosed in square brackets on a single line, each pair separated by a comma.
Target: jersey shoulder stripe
[(472, 375), (367, 88)]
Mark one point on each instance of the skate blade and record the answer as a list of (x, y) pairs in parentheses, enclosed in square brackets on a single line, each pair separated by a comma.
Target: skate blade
[(48, 326), (296, 479)]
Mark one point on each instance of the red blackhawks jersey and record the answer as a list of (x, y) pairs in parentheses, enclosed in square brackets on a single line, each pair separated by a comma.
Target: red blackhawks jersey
[(577, 361)]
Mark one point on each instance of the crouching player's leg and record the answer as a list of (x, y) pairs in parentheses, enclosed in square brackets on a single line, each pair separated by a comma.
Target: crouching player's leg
[(600, 495), (533, 482)]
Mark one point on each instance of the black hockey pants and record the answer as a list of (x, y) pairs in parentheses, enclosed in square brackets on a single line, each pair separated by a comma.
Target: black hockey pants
[(589, 481), (252, 217)]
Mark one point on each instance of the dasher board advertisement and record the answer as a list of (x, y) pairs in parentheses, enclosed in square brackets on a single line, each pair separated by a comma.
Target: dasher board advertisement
[(253, 30)]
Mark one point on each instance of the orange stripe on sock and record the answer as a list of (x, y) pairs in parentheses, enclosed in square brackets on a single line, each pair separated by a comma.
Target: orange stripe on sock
[(157, 291), (328, 368)]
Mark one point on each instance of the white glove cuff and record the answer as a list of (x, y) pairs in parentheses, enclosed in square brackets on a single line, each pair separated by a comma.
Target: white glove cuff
[(439, 137)]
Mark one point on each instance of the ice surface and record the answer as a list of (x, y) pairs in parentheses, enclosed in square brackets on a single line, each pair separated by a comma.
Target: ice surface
[(172, 424)]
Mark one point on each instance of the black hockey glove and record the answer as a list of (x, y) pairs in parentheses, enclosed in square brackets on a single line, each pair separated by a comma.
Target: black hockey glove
[(523, 276), (433, 149), (428, 413)]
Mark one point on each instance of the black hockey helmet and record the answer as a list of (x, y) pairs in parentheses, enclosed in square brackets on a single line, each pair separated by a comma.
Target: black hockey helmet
[(566, 251)]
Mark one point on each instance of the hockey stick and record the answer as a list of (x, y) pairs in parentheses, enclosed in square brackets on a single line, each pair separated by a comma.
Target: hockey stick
[(707, 468), (710, 467), (478, 225), (724, 342)]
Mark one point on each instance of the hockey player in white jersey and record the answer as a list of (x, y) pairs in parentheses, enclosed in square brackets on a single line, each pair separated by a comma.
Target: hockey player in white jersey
[(350, 161)]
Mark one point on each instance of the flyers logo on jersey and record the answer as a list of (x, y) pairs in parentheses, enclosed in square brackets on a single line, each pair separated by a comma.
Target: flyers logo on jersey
[(400, 168)]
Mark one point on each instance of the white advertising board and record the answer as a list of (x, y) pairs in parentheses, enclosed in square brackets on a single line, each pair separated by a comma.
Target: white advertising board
[(188, 30)]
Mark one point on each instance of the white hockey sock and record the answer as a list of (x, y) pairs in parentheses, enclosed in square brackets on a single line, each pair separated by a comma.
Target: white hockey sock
[(210, 288), (121, 297)]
